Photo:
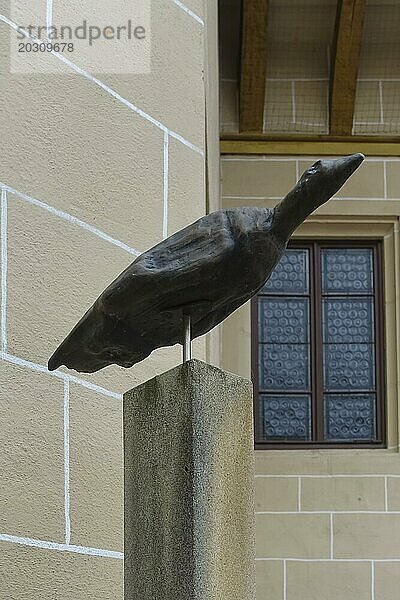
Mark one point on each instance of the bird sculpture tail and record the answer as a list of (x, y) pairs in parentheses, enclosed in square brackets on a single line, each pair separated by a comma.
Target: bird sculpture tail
[(315, 187)]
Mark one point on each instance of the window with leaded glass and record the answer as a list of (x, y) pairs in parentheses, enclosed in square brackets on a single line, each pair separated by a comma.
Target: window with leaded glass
[(317, 348)]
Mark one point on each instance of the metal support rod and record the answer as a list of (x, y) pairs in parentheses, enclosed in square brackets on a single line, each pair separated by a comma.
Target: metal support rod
[(187, 338)]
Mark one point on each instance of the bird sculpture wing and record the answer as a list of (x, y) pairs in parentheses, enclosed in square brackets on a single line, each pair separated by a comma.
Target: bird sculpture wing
[(142, 309)]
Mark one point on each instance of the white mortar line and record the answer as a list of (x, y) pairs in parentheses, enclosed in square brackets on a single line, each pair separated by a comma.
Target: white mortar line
[(87, 384), (346, 198), (331, 534), (59, 374), (366, 199), (372, 580), (385, 179), (221, 105), (284, 580), (252, 197), (290, 79), (293, 102), (185, 142), (49, 16), (3, 218), (70, 218), (381, 116), (376, 79), (326, 512), (328, 60), (330, 475), (386, 494), (297, 169), (327, 108), (310, 124), (299, 494), (367, 123), (258, 158), (66, 465), (329, 560), (189, 12), (25, 541), (106, 88), (166, 184)]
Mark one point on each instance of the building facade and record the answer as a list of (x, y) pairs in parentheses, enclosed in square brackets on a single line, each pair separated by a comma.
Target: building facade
[(98, 167), (326, 447)]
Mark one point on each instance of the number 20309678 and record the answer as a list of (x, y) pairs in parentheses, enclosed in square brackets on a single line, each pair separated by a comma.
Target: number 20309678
[(45, 47)]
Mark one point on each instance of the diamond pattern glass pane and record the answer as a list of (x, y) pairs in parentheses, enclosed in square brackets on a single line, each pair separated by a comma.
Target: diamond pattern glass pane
[(347, 270), (350, 417), (283, 320), (284, 367), (285, 417), (291, 275), (348, 320), (349, 367)]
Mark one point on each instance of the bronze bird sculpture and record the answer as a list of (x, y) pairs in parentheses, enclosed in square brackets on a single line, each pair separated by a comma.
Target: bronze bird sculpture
[(205, 271)]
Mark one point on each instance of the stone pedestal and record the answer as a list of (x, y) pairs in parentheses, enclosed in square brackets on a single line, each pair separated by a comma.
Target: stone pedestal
[(189, 477)]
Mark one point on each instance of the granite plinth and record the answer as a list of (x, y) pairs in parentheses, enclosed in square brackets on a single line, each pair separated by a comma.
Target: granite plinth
[(189, 472)]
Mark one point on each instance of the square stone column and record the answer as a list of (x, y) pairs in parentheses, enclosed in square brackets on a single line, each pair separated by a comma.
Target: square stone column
[(189, 486)]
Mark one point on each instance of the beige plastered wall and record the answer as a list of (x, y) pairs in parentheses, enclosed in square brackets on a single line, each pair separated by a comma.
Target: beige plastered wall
[(328, 521), (93, 172)]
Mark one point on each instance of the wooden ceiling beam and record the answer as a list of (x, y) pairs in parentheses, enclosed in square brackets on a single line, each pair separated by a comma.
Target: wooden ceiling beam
[(253, 65), (313, 147), (345, 64)]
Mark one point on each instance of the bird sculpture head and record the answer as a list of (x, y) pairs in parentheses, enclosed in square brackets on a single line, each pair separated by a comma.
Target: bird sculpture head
[(325, 177), (316, 186)]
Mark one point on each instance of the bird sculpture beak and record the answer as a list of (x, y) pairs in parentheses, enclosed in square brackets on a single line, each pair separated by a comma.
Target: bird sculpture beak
[(346, 166), (325, 178)]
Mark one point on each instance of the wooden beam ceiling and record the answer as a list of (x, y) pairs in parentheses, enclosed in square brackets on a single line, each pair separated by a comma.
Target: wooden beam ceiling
[(253, 65), (345, 63)]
